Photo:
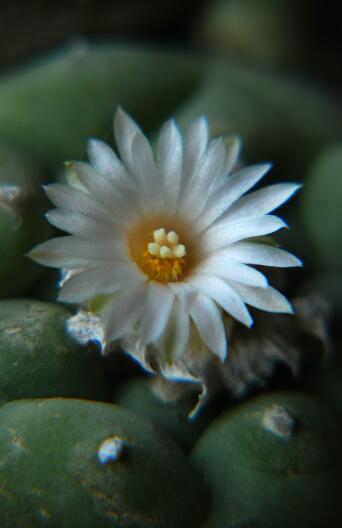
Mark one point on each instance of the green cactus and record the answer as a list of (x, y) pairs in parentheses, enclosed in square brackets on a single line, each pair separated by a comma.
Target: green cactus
[(274, 462), (78, 464), (38, 359), (22, 223), (52, 106), (321, 210), (173, 416)]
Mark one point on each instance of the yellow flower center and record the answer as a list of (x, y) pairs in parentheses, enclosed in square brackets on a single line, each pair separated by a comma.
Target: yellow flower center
[(164, 258)]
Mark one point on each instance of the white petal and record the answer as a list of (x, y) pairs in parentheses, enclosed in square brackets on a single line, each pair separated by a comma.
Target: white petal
[(115, 189), (104, 160), (79, 224), (222, 266), (222, 235), (262, 201), (196, 193), (261, 254), (269, 299), (145, 172), (105, 280), (234, 145), (70, 199), (235, 186), (169, 159), (174, 341), (218, 290), (185, 293), (157, 309), (73, 253), (102, 189), (195, 144), (233, 149), (125, 310), (125, 130), (208, 320)]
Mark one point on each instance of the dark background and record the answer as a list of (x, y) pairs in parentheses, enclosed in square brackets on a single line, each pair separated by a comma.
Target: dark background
[(312, 29)]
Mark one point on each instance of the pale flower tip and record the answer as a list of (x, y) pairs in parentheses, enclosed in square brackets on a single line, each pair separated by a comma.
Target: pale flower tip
[(289, 309), (297, 262), (250, 323), (91, 143)]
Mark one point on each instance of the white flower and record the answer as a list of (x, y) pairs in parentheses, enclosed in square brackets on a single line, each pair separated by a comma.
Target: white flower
[(162, 245)]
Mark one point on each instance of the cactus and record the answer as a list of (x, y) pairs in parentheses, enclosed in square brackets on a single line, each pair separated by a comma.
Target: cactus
[(273, 462), (49, 109), (21, 220), (321, 209), (142, 396), (77, 464), (39, 359)]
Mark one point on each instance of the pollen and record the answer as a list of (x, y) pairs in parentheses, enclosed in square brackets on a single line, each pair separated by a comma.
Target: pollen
[(164, 259)]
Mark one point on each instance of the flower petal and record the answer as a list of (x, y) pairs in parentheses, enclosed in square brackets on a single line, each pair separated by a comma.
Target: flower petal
[(222, 293), (79, 224), (156, 313), (222, 235), (124, 311), (262, 201), (233, 149), (71, 199), (73, 253), (195, 194), (268, 299), (185, 293), (148, 186), (235, 186), (234, 145), (125, 129), (208, 320), (260, 254), (100, 281), (104, 160), (174, 340), (195, 145), (105, 191), (169, 161), (222, 266)]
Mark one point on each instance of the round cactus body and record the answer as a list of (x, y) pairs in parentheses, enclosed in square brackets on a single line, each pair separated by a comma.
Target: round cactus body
[(39, 359), (22, 223), (273, 462), (78, 464), (172, 416)]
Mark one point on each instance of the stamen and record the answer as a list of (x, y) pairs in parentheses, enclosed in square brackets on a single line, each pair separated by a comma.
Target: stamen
[(172, 237), (159, 236), (179, 251), (154, 249), (166, 252)]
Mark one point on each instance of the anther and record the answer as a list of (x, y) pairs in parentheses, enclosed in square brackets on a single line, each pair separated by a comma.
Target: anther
[(154, 249), (159, 235), (166, 252), (179, 251), (172, 237)]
